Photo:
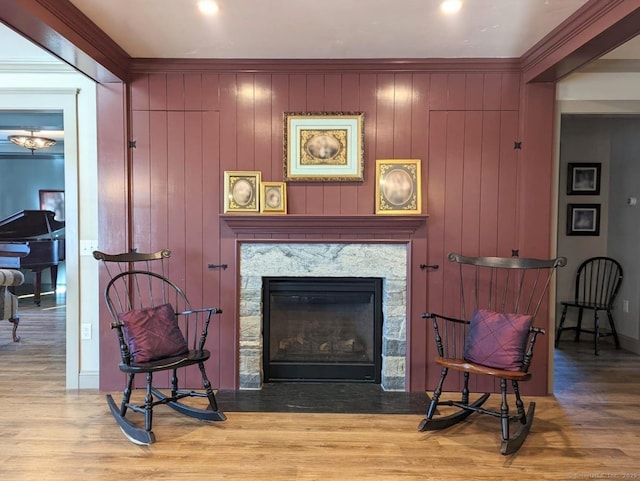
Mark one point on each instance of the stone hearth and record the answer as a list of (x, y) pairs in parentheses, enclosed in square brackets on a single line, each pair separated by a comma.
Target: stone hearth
[(387, 261)]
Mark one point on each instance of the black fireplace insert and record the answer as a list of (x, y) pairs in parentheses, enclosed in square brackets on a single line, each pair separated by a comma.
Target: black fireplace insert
[(322, 329)]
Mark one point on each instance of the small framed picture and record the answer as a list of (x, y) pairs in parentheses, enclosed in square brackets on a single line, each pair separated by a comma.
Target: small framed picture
[(584, 179), (583, 219), (273, 197), (398, 189), (241, 191), (53, 200)]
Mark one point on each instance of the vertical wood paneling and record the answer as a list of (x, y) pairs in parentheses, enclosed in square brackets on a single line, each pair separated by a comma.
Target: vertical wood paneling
[(315, 100), (385, 94), (420, 130), (418, 328), (279, 105), (140, 182), (175, 91), (368, 105), (510, 91), (456, 91), (472, 165), (210, 91), (535, 198), (139, 89), (402, 106), (159, 227), (331, 192), (211, 249), (454, 181), (436, 229), (438, 94), (193, 205), (113, 210), (536, 168), (296, 191), (263, 136), (492, 88), (245, 122), (176, 190), (157, 92), (193, 194), (350, 101), (474, 92), (141, 199), (193, 95), (488, 240), (507, 184), (192, 127), (229, 303)]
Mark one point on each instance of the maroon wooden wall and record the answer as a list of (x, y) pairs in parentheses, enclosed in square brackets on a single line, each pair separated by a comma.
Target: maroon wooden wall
[(191, 127)]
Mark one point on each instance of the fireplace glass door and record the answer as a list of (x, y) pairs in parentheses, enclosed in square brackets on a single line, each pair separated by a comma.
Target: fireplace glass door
[(322, 329)]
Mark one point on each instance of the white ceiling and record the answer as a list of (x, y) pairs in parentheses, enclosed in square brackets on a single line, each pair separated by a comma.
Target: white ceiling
[(331, 29), (273, 29)]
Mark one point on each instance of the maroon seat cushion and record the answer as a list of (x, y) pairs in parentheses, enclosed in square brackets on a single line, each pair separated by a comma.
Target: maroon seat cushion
[(153, 333), (497, 339)]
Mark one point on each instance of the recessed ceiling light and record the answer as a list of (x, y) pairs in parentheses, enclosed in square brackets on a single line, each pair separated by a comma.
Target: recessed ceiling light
[(450, 7), (208, 7)]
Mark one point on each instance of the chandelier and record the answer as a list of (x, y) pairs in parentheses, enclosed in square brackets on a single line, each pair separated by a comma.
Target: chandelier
[(32, 142)]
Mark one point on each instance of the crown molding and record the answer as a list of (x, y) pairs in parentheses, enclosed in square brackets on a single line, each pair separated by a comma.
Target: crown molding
[(594, 29), (34, 67), (157, 65)]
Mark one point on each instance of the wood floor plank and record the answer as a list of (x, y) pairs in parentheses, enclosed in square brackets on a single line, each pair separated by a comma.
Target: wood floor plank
[(588, 430)]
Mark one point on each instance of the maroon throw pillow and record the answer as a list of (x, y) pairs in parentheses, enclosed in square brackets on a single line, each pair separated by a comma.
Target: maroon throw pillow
[(497, 339), (153, 333)]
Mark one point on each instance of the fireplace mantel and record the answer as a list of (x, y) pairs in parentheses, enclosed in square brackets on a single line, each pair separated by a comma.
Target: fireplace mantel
[(394, 225)]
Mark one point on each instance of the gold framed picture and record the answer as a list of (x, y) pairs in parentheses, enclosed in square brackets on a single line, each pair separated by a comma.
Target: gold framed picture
[(273, 197), (398, 187), (241, 191), (324, 146)]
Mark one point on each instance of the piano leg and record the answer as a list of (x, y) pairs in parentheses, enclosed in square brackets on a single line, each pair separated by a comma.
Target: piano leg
[(37, 281), (37, 286), (54, 278)]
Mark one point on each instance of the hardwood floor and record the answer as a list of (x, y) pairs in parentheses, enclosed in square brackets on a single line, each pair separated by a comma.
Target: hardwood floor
[(588, 430)]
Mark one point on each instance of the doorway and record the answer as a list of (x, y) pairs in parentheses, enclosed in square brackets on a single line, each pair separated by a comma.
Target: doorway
[(65, 102), (608, 145)]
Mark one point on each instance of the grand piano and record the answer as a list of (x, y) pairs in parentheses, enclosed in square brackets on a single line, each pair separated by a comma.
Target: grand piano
[(35, 228)]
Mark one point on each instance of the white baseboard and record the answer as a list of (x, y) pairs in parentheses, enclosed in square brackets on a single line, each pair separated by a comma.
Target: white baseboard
[(89, 380), (629, 344)]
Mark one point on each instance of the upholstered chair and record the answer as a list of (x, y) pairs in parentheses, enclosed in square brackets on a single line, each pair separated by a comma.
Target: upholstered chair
[(8, 301)]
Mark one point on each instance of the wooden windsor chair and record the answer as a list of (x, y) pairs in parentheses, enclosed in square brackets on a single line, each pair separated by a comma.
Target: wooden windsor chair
[(597, 283)]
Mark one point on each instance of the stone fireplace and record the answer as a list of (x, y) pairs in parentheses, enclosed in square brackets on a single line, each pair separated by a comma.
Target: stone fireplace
[(384, 260)]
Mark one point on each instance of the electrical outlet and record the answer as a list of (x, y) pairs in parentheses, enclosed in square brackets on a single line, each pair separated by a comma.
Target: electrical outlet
[(85, 332), (625, 306)]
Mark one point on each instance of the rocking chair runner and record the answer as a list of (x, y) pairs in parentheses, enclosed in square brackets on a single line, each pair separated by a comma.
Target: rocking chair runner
[(157, 330), (493, 336)]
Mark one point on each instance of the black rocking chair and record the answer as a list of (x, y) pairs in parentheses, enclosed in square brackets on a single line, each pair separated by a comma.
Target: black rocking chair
[(157, 330), (492, 335)]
